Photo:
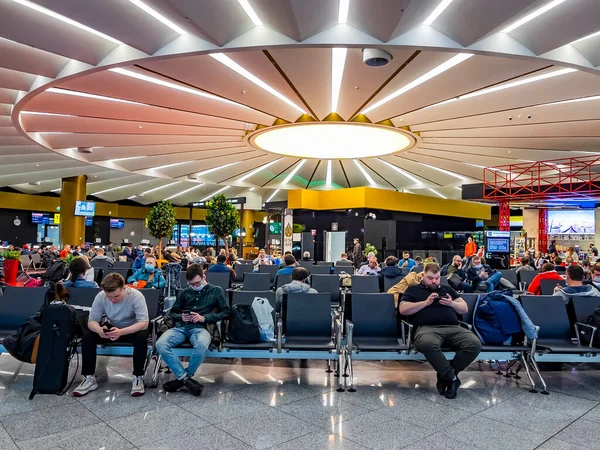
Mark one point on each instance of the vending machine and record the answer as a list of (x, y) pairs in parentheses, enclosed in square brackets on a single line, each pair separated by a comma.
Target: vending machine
[(497, 249)]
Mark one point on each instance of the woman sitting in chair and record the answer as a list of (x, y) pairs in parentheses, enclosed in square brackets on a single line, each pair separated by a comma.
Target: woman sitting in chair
[(77, 270), (148, 276)]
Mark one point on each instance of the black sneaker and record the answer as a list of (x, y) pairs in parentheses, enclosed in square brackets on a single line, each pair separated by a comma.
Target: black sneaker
[(441, 385), (453, 388), (173, 385), (193, 386)]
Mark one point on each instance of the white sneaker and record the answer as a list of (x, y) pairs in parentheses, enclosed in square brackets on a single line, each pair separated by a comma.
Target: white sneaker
[(88, 384), (137, 387)]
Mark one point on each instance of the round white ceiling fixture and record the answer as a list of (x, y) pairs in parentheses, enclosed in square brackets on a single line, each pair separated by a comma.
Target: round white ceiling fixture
[(326, 140)]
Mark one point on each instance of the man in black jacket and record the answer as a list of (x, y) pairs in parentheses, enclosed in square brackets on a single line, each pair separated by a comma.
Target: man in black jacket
[(357, 254), (432, 309), (198, 305), (391, 270)]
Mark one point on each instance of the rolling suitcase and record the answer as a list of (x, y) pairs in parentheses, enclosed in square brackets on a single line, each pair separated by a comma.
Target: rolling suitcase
[(57, 346)]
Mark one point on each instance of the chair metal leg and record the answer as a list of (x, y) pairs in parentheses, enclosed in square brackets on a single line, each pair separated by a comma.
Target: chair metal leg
[(329, 366), (533, 390), (154, 380), (350, 375), (537, 371), (341, 366)]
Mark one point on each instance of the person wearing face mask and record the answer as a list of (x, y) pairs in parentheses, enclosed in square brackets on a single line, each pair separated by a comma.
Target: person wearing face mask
[(148, 276), (480, 273), (595, 275), (200, 304), (575, 286), (433, 310)]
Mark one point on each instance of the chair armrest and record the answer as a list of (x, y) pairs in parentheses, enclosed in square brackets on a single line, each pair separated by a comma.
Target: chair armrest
[(465, 325), (587, 328), (338, 335), (408, 339), (279, 333), (349, 337), (533, 341)]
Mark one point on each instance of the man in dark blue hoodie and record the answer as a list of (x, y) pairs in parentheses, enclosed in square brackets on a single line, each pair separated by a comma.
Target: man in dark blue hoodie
[(391, 270)]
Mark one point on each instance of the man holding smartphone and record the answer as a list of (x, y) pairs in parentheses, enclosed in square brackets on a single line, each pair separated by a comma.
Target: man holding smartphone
[(118, 313), (198, 305), (433, 311)]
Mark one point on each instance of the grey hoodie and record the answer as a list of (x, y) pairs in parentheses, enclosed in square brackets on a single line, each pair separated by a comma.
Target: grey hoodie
[(295, 287)]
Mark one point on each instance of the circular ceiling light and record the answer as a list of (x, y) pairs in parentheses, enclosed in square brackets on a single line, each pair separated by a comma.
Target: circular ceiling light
[(325, 140)]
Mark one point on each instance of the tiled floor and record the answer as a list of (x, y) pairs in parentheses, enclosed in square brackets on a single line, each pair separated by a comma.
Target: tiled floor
[(294, 405)]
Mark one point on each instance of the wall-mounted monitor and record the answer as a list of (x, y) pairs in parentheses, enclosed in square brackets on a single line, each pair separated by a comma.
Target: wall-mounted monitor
[(85, 208), (89, 221), (117, 223), (572, 221)]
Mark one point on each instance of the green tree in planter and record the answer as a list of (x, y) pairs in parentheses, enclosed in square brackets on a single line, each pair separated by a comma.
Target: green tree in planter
[(222, 218), (161, 220)]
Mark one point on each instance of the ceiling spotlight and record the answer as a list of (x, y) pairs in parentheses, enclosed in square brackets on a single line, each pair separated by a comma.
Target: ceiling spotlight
[(85, 150), (375, 57)]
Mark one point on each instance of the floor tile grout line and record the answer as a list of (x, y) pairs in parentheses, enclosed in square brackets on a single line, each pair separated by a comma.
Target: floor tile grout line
[(9, 436), (562, 429)]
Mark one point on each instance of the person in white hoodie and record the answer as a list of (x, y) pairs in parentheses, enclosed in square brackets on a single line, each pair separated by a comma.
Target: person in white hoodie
[(297, 286)]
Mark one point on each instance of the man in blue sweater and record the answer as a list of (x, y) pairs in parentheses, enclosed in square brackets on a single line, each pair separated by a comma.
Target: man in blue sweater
[(289, 266), (406, 262), (220, 266)]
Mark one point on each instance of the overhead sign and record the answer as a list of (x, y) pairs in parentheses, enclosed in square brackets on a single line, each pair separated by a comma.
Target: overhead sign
[(56, 218), (504, 234), (233, 201)]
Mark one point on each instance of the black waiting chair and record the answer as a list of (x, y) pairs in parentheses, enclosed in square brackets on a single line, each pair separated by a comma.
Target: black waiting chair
[(388, 282), (583, 308), (343, 269), (125, 273), (100, 264), (281, 279), (99, 275), (511, 277), (256, 282), (327, 283), (82, 296), (325, 263), (240, 270), (308, 265), (320, 270), (306, 323), (246, 298), (547, 286), (182, 279), (221, 279), (271, 270), (550, 314), (365, 284), (527, 276), (17, 304), (122, 264)]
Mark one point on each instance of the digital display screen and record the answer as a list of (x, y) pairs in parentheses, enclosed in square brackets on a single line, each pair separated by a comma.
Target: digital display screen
[(117, 223), (40, 218), (498, 245), (89, 221), (275, 228), (575, 221), (85, 208)]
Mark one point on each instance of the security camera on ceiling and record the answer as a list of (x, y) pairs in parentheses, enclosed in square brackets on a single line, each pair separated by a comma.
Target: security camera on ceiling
[(376, 58)]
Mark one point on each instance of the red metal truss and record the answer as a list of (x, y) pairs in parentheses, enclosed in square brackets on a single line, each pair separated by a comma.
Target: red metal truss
[(504, 217), (539, 180), (542, 230)]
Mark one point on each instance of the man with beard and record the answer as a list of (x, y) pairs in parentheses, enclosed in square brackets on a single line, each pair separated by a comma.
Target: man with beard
[(433, 311)]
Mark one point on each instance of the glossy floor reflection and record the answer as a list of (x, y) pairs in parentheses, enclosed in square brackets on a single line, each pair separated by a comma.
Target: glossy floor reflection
[(294, 405)]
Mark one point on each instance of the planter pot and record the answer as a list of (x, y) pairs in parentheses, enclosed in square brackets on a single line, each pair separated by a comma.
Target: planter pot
[(11, 267)]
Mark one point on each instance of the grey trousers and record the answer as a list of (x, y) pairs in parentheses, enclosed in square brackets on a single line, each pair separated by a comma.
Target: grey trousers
[(430, 339)]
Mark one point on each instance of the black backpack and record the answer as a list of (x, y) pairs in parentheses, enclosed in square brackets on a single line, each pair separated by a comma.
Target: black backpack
[(593, 320), (57, 346), (55, 272), (243, 326)]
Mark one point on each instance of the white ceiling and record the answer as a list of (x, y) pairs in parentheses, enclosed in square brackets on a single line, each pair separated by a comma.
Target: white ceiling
[(151, 137)]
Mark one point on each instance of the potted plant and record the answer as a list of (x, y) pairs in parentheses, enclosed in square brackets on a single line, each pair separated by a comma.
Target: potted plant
[(161, 220), (222, 218), (67, 259), (370, 249), (12, 258)]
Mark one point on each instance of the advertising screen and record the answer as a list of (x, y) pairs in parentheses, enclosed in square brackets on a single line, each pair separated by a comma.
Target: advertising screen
[(498, 245), (574, 221), (117, 223), (89, 221), (85, 208)]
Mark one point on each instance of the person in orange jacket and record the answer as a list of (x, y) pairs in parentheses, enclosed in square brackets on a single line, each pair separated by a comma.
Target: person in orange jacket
[(470, 247)]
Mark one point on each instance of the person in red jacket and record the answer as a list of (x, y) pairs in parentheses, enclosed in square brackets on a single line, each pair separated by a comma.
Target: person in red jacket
[(548, 273)]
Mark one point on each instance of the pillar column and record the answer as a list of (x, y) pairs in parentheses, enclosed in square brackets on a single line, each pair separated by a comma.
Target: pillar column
[(72, 227)]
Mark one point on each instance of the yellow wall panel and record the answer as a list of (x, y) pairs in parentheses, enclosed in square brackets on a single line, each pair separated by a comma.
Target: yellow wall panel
[(364, 197)]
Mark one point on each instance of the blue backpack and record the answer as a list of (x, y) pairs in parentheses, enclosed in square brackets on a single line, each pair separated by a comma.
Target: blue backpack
[(495, 320)]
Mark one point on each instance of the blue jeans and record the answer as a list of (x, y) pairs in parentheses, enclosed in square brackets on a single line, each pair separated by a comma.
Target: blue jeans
[(198, 337), (493, 281)]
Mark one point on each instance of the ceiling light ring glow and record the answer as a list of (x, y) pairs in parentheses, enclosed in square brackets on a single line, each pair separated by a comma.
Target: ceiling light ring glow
[(439, 9), (332, 140)]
